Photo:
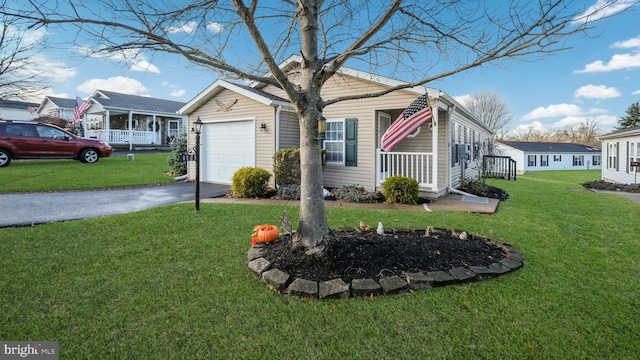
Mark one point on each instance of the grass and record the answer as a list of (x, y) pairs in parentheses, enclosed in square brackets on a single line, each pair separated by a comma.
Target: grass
[(66, 174), (167, 283)]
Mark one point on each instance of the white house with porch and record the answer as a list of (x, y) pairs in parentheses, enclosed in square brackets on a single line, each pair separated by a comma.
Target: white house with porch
[(130, 120), (244, 125), (621, 152)]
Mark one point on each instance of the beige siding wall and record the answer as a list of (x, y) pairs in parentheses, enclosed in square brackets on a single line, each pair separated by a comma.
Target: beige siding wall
[(244, 109), (289, 130), (364, 110)]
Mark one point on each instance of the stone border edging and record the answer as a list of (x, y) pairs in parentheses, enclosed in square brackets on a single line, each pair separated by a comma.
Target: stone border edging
[(337, 288)]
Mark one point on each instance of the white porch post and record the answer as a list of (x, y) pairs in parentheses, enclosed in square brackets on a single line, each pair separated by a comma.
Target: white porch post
[(107, 125), (434, 145), (156, 136), (130, 130)]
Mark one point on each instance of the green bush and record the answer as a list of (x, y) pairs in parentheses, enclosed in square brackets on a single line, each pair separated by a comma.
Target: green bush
[(400, 189), (178, 148), (288, 192), (475, 187), (249, 182), (286, 166), (358, 194)]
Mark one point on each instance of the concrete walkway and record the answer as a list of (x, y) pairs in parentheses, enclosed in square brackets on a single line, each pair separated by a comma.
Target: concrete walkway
[(631, 196)]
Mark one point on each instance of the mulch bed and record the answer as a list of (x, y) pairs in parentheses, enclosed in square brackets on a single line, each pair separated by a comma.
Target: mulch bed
[(355, 254)]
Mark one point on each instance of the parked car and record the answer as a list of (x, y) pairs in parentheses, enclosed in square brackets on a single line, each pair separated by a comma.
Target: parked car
[(35, 140)]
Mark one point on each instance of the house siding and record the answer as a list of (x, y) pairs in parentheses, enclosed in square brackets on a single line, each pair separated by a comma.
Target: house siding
[(466, 129), (289, 130), (565, 161), (617, 155), (365, 111)]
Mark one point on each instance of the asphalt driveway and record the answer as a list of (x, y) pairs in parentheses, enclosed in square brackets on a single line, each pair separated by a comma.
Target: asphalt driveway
[(38, 208)]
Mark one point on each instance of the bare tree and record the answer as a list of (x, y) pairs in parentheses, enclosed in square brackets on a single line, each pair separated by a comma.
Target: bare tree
[(490, 110), (420, 40), (19, 73)]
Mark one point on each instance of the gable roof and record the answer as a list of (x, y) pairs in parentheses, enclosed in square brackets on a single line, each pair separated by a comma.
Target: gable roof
[(119, 101), (245, 90), (62, 103), (630, 131), (550, 147)]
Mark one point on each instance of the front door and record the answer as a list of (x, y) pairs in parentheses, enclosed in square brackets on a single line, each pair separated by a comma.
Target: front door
[(384, 121)]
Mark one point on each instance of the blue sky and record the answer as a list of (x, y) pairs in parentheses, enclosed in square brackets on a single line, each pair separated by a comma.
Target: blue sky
[(598, 78)]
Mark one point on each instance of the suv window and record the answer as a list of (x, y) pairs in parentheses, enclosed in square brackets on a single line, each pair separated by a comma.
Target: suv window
[(50, 132), (20, 130)]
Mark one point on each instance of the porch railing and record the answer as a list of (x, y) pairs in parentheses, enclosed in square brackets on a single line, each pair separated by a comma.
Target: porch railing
[(501, 167), (410, 164), (122, 136)]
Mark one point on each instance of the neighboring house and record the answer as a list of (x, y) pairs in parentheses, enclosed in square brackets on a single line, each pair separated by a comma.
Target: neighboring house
[(17, 110), (245, 125), (130, 120), (57, 107), (621, 151), (536, 156)]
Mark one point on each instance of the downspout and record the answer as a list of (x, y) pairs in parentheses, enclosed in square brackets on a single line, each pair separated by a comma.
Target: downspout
[(277, 136), (450, 188)]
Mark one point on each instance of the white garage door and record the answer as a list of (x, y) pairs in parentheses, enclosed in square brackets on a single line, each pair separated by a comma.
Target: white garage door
[(227, 146)]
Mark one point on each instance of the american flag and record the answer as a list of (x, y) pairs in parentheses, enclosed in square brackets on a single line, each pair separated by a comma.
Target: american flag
[(416, 115), (79, 109), (32, 109)]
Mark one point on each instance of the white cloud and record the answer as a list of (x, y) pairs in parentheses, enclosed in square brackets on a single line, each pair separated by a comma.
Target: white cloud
[(626, 44), (120, 84), (553, 111), (602, 9), (178, 92), (596, 92), (465, 100), (187, 28), (617, 62), (41, 66), (637, 92), (215, 27), (144, 65)]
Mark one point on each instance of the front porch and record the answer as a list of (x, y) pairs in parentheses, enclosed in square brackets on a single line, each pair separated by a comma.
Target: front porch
[(126, 137), (417, 165)]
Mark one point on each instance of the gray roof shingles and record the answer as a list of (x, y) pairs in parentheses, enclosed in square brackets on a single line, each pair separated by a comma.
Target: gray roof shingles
[(135, 102), (550, 147)]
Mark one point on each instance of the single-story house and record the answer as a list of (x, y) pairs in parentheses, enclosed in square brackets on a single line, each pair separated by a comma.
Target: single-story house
[(244, 125), (621, 150), (57, 107), (123, 119), (17, 110), (537, 155)]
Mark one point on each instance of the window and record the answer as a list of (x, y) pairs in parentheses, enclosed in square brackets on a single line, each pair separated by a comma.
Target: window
[(597, 160), (557, 157), (531, 160), (578, 160), (334, 141), (544, 160), (341, 142)]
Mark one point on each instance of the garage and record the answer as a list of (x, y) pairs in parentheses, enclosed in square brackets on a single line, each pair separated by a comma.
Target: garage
[(226, 147)]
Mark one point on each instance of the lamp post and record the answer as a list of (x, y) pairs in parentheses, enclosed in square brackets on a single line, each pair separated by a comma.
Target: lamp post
[(197, 128)]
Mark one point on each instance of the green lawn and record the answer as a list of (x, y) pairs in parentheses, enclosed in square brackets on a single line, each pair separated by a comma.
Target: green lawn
[(169, 283), (66, 174)]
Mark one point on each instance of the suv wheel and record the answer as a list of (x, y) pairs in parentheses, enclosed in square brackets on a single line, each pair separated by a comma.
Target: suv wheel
[(5, 157), (89, 156)]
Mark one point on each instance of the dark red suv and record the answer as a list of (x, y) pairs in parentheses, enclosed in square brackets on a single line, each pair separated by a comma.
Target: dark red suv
[(34, 140)]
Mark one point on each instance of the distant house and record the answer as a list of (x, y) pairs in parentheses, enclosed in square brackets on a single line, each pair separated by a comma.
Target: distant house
[(244, 125), (132, 120), (537, 156), (621, 150), (57, 107), (17, 110)]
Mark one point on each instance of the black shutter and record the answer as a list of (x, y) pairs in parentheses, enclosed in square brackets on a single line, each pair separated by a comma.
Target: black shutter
[(351, 142)]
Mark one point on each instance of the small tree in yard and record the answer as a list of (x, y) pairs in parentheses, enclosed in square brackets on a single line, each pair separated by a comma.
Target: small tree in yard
[(428, 39), (632, 118)]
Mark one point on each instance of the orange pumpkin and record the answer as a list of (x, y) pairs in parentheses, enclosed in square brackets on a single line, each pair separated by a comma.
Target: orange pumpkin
[(266, 233)]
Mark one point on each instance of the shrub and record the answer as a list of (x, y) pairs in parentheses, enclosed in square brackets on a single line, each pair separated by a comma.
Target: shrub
[(475, 187), (288, 192), (400, 189), (358, 194), (178, 148), (286, 166), (249, 182)]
